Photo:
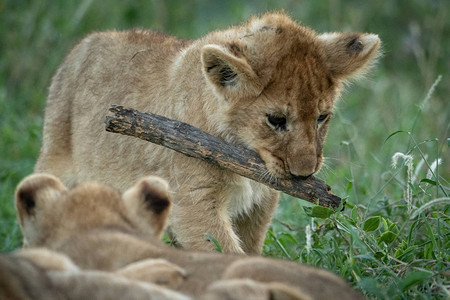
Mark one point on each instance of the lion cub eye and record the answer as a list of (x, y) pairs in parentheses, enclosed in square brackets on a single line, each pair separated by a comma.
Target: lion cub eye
[(322, 118), (277, 122)]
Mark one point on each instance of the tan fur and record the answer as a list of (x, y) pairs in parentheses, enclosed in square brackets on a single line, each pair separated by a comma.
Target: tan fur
[(99, 229), (41, 274), (48, 260), (238, 84), (237, 289), (20, 279), (158, 271)]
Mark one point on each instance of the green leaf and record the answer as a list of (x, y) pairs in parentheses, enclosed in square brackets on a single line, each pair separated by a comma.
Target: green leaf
[(413, 278), (307, 210), (321, 212), (371, 286), (428, 251), (411, 231), (284, 236), (399, 252), (394, 133), (408, 254), (341, 205), (372, 224), (166, 239), (354, 214), (385, 224), (379, 255), (213, 239), (413, 188), (349, 186), (392, 226), (428, 181), (277, 241), (387, 237)]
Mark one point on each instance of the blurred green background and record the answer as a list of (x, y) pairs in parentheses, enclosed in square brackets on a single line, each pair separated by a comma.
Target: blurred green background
[(36, 35)]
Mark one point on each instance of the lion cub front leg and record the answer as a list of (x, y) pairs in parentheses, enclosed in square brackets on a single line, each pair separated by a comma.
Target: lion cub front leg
[(252, 228), (191, 219)]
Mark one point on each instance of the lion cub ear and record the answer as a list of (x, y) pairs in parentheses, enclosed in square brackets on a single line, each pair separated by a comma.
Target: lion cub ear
[(149, 202), (228, 71), (34, 191), (33, 194), (350, 55)]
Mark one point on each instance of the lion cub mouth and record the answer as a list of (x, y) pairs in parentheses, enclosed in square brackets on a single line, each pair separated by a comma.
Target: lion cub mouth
[(277, 168)]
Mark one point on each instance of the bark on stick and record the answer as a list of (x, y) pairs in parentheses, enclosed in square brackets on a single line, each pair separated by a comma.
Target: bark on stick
[(194, 142)]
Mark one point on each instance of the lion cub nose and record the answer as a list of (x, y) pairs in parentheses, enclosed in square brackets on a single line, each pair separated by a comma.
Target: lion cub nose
[(304, 166)]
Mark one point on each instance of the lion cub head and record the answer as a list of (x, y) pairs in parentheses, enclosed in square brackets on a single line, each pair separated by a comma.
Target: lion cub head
[(278, 82), (49, 212)]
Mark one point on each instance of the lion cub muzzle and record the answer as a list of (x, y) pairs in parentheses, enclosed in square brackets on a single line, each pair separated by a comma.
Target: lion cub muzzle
[(304, 166)]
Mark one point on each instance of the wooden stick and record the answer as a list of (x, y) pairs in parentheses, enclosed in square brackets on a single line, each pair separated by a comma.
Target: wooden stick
[(194, 142)]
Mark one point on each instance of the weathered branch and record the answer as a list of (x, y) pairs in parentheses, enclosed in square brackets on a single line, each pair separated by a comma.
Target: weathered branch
[(194, 142)]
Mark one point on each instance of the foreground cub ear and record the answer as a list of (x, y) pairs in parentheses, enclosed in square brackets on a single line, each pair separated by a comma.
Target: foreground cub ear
[(34, 191), (149, 201), (33, 195), (350, 55), (228, 71)]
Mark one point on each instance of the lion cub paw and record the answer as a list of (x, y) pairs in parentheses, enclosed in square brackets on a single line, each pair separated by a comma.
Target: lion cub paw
[(158, 271), (47, 259)]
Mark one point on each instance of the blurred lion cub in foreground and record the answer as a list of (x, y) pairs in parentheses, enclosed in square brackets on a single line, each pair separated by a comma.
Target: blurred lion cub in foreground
[(269, 84), (42, 274), (100, 229)]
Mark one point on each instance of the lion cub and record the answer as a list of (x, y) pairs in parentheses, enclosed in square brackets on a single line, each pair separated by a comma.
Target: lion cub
[(100, 229), (41, 274), (269, 84)]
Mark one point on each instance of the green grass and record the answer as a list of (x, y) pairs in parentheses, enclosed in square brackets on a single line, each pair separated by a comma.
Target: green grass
[(386, 242)]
